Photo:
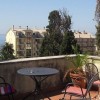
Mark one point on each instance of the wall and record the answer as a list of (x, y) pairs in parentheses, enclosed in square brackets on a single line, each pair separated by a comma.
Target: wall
[(8, 69)]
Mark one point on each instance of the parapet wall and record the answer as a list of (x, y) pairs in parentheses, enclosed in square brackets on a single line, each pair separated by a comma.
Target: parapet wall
[(8, 69)]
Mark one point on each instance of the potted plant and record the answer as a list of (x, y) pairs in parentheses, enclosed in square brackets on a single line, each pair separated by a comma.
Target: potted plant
[(76, 73)]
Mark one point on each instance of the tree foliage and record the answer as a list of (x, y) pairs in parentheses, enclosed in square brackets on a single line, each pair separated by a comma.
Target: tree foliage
[(54, 22), (97, 17), (7, 52), (68, 42), (46, 47), (53, 39), (65, 21), (98, 36), (59, 37), (97, 11)]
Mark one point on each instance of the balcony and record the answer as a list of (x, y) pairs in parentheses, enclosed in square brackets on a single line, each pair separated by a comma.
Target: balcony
[(28, 46), (52, 86)]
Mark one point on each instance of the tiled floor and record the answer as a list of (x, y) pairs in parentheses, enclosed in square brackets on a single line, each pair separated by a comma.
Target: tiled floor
[(59, 96), (52, 96)]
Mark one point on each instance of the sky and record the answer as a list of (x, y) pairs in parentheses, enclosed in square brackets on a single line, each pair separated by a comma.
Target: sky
[(34, 13)]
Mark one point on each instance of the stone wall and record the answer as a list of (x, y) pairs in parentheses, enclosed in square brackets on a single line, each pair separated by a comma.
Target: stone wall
[(8, 69)]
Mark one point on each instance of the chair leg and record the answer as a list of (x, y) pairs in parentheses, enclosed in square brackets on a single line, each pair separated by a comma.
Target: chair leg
[(70, 97), (63, 97), (12, 96), (89, 96), (8, 97)]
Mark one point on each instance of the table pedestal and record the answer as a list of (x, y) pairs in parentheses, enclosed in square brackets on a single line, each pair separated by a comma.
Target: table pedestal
[(37, 93), (38, 75)]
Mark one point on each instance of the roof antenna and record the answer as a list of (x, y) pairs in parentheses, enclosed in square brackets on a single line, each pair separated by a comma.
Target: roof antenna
[(13, 27), (27, 27), (20, 27)]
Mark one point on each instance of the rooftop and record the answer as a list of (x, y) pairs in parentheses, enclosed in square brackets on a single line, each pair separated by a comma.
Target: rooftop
[(53, 85), (83, 35)]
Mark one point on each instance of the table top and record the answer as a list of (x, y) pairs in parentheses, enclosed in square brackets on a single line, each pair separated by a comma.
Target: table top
[(37, 71)]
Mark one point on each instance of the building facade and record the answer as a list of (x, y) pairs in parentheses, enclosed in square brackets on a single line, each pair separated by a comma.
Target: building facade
[(86, 41), (25, 42)]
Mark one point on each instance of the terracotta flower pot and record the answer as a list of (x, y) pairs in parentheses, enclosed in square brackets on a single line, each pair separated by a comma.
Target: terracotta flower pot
[(78, 78)]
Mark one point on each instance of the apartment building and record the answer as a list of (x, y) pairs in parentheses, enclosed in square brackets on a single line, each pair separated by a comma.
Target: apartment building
[(86, 41), (25, 42)]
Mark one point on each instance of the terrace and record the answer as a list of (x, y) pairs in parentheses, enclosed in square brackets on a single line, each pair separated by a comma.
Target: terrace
[(52, 86)]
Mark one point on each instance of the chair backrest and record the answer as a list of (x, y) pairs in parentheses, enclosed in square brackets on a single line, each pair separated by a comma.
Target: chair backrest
[(2, 80), (90, 83), (90, 70)]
